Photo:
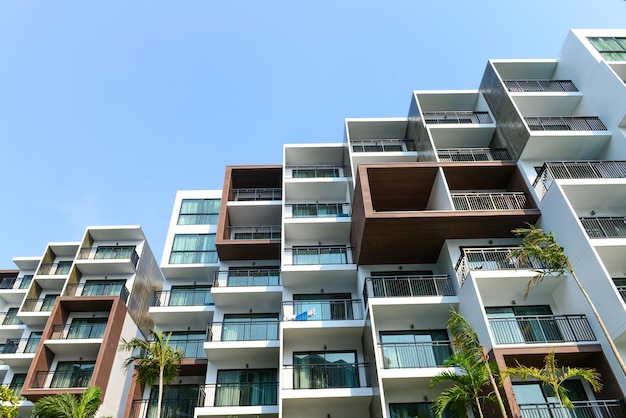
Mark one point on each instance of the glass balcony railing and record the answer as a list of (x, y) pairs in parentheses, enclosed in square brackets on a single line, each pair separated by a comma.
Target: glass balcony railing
[(190, 348), (576, 170), (245, 278), (15, 282), (113, 288), (415, 354), (54, 269), (181, 407), (78, 331), (78, 378), (533, 329), (565, 123), (490, 201), (180, 297), (110, 252), (329, 375), (314, 171), (473, 154), (241, 394), (318, 255), (457, 117), (323, 310), (584, 409), (243, 331), (605, 226), (8, 282), (271, 232), (550, 86), (490, 258), (255, 194), (410, 286), (20, 345), (383, 145), (317, 210)]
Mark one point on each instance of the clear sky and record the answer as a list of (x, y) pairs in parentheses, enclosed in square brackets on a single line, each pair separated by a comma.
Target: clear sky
[(108, 107)]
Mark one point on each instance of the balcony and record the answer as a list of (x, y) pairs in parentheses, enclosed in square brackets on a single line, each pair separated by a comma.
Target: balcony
[(38, 305), (540, 86), (322, 310), (577, 170), (182, 306), (606, 408), (191, 349), (604, 227), (247, 278), (314, 171), (228, 341), (255, 194), (259, 289), (78, 378), (317, 210), (415, 355), (98, 289), (19, 352), (541, 329), (54, 269), (243, 331), (490, 201), (490, 259), (188, 297), (318, 255), (241, 394), (107, 259), (569, 123), (78, 331), (179, 408), (76, 339), (473, 154), (383, 145), (328, 376), (8, 283), (457, 117), (265, 232), (410, 286)]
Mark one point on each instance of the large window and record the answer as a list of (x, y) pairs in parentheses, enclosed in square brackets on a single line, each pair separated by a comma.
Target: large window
[(199, 212), (87, 328), (611, 48), (414, 410), (537, 400), (179, 401), (246, 387), (193, 248), (103, 287), (250, 327), (320, 255), (48, 303), (33, 342), (324, 307), (191, 343), (11, 317), (520, 324), (190, 296), (72, 374), (325, 369), (408, 349), (17, 383), (261, 276)]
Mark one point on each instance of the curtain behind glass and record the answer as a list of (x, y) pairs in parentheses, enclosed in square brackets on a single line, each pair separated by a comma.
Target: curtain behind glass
[(246, 387), (179, 401)]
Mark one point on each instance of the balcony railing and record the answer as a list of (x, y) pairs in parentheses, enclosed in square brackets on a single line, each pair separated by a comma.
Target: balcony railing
[(496, 258), (190, 297), (54, 269), (62, 379), (10, 318), (318, 210), (457, 117), (271, 232), (8, 282), (255, 194), (318, 255), (577, 170), (383, 145), (410, 286), (583, 409), (533, 329), (565, 123), (605, 227), (78, 331), (550, 86), (241, 394), (314, 171), (245, 278), (490, 201), (20, 345), (415, 355), (473, 154), (323, 310), (179, 408), (99, 289), (190, 348), (109, 252), (328, 376), (38, 305), (243, 331)]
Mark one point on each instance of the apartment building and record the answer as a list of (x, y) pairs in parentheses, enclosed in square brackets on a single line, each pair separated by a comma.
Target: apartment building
[(321, 287)]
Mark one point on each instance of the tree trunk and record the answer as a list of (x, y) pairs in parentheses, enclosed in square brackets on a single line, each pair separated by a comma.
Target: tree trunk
[(159, 401), (492, 379)]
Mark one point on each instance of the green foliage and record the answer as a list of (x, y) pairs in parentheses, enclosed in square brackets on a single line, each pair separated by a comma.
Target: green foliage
[(8, 403), (65, 405)]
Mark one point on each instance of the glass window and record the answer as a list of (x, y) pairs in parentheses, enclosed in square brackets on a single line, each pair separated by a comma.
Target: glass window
[(199, 212), (414, 410), (72, 374), (261, 276), (17, 383), (325, 369), (63, 267), (87, 328), (103, 287), (611, 48), (250, 327), (408, 349), (48, 303), (179, 401), (193, 248), (11, 317), (114, 252), (26, 281), (324, 307), (191, 343), (523, 324), (33, 342), (190, 296), (247, 387)]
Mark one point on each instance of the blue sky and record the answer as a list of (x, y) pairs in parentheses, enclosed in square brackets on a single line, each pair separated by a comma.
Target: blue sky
[(108, 107)]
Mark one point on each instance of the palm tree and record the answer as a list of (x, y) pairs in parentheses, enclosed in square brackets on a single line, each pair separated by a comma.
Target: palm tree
[(541, 248), (154, 361), (66, 405), (553, 376), (465, 341), (466, 392), (8, 402)]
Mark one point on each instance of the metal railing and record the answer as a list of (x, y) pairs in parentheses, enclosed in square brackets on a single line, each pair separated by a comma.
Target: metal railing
[(327, 376), (457, 117), (110, 252), (78, 331), (318, 255), (532, 329), (605, 226), (190, 348), (576, 170), (38, 305), (622, 292), (54, 269), (322, 310), (411, 286), (20, 345), (317, 210), (15, 282), (62, 379), (271, 232), (10, 318), (549, 86), (241, 394), (255, 194), (8, 282), (473, 154), (98, 289), (490, 201), (383, 145), (183, 297), (565, 123), (583, 409), (178, 408), (415, 354), (243, 331), (314, 171), (245, 278), (494, 258), (193, 257)]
